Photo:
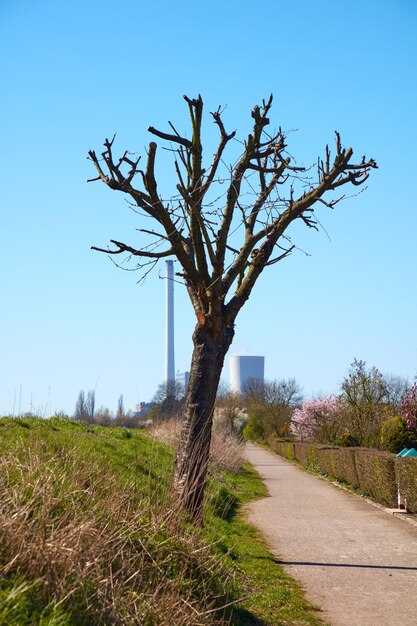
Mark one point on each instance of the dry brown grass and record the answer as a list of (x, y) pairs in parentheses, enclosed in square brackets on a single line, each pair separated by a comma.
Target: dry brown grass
[(94, 544), (226, 450)]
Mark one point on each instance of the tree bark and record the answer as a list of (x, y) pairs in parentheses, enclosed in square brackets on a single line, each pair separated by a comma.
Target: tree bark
[(210, 349)]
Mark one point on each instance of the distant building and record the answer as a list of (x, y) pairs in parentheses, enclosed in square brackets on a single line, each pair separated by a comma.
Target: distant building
[(183, 378), (245, 368), (142, 409)]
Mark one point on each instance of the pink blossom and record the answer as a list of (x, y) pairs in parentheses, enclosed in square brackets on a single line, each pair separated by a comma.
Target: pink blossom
[(313, 416), (409, 408)]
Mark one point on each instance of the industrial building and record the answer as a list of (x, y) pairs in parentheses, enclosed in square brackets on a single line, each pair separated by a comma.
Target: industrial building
[(183, 379), (245, 368)]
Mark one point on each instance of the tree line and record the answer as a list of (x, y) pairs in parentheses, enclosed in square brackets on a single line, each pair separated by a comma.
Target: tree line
[(86, 411), (368, 411)]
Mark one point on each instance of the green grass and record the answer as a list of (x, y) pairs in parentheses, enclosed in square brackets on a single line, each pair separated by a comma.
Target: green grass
[(137, 563), (271, 595)]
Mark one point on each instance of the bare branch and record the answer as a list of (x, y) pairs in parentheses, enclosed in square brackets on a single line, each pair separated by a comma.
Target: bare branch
[(122, 247), (279, 258), (196, 240), (174, 138), (224, 139)]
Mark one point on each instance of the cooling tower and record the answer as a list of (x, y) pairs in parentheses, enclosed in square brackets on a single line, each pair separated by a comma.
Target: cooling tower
[(244, 368), (170, 358)]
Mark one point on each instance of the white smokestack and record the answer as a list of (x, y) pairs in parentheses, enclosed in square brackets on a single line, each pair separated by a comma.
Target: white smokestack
[(170, 359)]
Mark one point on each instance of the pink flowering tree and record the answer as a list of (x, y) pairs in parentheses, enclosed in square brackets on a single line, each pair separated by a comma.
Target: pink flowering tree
[(317, 420), (409, 408)]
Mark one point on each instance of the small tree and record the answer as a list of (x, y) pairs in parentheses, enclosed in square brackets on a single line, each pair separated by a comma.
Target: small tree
[(364, 403), (223, 237), (273, 405), (317, 420)]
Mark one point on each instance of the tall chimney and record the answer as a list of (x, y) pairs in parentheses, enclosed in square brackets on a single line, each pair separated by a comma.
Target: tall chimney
[(170, 360)]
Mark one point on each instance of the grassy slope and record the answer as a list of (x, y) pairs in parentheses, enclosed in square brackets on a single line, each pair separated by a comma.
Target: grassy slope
[(180, 570)]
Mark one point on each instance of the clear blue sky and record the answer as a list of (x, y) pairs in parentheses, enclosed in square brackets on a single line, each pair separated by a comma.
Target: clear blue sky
[(75, 72)]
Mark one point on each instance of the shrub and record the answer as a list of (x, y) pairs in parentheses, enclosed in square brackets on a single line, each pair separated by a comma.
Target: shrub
[(348, 440), (395, 435), (226, 450), (254, 429)]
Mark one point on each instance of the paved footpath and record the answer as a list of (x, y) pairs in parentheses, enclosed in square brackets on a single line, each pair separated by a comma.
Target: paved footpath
[(355, 561)]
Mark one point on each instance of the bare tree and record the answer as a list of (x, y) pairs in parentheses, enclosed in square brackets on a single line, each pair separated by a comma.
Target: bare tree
[(103, 416), (271, 403), (169, 400), (120, 408), (229, 413), (80, 407), (397, 387), (254, 390), (172, 389), (90, 404), (223, 236), (284, 392)]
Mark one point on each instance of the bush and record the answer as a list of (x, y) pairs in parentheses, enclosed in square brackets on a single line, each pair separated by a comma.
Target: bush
[(395, 435), (254, 429), (348, 440), (226, 450)]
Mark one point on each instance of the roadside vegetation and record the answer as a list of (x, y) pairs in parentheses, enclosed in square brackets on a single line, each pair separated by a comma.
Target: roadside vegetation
[(90, 535), (351, 437), (371, 410)]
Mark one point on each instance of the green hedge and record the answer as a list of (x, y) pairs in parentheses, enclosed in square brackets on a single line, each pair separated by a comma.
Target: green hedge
[(283, 448), (377, 474), (406, 471), (345, 466)]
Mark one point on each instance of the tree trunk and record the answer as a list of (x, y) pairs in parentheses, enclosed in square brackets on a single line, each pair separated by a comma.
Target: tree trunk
[(194, 447)]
